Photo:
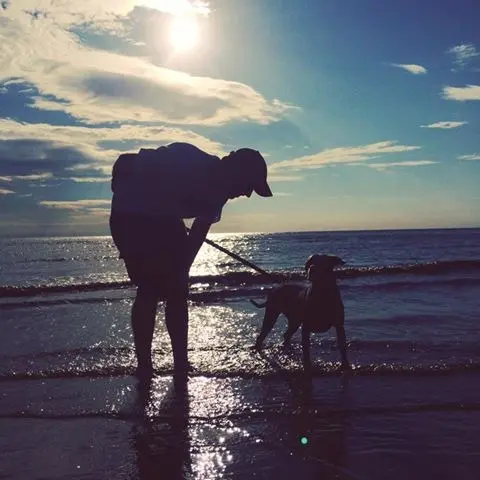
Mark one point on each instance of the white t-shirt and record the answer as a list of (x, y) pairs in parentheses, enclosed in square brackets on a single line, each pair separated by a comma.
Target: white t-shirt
[(177, 180)]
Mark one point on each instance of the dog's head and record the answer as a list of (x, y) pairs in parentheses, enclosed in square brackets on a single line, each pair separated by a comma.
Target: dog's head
[(320, 265)]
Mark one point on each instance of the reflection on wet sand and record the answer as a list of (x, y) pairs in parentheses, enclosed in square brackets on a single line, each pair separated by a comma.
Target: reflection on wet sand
[(161, 439), (318, 429), (171, 443), (217, 428)]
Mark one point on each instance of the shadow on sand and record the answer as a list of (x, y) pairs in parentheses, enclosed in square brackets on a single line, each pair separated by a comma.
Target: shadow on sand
[(161, 438)]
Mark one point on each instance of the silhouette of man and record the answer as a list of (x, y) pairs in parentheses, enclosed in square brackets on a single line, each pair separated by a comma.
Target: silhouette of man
[(153, 191)]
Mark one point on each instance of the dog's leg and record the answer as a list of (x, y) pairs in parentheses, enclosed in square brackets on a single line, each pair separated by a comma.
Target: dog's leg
[(269, 320), (342, 346), (293, 326), (307, 364)]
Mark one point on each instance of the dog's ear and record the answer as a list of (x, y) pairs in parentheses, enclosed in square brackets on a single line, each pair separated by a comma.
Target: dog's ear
[(312, 260), (308, 263), (335, 261)]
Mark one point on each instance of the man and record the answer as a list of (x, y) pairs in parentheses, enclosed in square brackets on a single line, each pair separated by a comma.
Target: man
[(153, 191)]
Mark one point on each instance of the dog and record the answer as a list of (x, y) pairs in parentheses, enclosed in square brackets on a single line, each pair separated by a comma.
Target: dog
[(316, 307)]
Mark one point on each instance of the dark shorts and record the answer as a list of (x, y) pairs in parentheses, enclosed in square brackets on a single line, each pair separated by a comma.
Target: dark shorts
[(154, 252)]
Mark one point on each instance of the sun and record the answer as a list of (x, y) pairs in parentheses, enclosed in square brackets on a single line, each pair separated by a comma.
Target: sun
[(184, 32)]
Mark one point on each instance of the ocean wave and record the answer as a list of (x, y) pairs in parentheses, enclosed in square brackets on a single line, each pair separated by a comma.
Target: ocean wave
[(245, 282), (263, 413), (69, 259), (429, 268), (325, 369), (40, 296)]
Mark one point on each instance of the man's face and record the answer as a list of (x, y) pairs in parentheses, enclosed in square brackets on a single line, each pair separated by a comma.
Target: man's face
[(241, 189)]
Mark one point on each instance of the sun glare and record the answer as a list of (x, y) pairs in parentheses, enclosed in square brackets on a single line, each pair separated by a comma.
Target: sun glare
[(184, 32)]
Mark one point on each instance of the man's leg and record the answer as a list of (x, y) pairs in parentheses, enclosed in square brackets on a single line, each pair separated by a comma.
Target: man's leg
[(143, 324), (176, 319)]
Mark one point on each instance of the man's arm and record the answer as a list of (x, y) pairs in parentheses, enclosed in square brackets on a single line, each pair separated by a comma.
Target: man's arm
[(196, 237)]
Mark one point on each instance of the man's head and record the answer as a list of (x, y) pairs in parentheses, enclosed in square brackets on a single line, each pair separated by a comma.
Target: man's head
[(247, 173)]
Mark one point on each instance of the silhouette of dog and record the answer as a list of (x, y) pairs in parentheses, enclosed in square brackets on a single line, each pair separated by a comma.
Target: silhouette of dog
[(316, 307)]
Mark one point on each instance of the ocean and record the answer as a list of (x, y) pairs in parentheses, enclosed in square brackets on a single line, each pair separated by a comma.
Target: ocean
[(71, 408)]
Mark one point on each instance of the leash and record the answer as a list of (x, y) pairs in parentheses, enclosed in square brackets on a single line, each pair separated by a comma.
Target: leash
[(236, 257)]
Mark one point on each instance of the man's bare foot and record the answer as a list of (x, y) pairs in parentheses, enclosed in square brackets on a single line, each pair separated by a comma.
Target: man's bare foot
[(345, 367), (144, 373)]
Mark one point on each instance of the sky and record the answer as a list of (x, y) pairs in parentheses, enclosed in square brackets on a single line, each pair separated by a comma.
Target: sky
[(366, 111)]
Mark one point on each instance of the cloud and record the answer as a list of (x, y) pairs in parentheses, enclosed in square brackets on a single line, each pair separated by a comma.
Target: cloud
[(78, 212), (342, 155), (444, 125), (57, 151), (40, 176), (475, 156), (88, 179), (36, 159), (462, 94), (5, 191), (75, 205), (463, 54), (96, 86), (410, 67), (284, 178), (407, 163)]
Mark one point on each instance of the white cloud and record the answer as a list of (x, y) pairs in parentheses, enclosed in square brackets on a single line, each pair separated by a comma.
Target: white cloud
[(444, 125), (82, 211), (40, 176), (5, 191), (97, 86), (462, 94), (463, 54), (475, 156), (284, 178), (410, 67), (106, 11), (88, 179), (407, 163), (343, 155), (6, 179), (75, 204), (88, 140)]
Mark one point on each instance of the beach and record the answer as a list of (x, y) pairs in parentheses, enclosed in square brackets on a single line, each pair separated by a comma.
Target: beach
[(70, 406)]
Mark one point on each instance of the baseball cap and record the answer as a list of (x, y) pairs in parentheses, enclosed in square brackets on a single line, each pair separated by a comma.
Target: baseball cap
[(254, 169)]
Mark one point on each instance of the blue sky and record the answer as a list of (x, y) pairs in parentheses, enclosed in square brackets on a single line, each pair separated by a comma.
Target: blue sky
[(367, 112)]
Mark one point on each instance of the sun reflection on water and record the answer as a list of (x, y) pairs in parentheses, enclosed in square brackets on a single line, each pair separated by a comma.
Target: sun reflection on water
[(190, 431), (211, 261)]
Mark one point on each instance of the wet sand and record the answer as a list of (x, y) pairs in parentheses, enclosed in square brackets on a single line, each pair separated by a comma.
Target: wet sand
[(368, 427)]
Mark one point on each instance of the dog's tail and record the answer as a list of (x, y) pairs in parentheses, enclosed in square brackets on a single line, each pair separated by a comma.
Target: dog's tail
[(258, 305)]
